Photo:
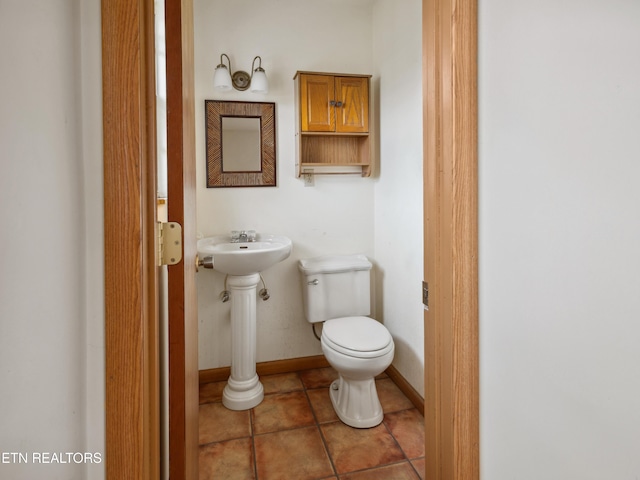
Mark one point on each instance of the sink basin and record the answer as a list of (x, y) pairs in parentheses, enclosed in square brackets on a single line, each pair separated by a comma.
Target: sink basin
[(244, 258)]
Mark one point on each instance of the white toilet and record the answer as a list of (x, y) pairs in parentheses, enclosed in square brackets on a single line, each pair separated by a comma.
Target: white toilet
[(336, 291)]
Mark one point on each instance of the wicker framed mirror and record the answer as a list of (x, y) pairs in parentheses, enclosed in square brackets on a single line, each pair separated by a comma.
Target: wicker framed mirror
[(241, 144)]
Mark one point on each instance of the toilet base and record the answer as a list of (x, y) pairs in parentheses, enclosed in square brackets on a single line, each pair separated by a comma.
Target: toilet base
[(356, 402)]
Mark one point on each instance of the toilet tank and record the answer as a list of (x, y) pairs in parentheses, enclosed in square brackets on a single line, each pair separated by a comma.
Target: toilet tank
[(335, 286)]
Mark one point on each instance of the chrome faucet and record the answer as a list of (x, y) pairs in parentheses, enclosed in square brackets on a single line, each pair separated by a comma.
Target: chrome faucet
[(243, 236)]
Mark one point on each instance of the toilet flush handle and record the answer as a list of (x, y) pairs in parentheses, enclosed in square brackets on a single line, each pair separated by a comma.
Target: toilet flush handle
[(313, 282)]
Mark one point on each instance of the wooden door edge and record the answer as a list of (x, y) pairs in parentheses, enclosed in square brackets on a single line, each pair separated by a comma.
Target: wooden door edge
[(451, 245), (183, 322)]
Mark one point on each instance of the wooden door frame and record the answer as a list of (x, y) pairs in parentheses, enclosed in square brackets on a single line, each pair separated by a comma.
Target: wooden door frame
[(131, 276), (451, 238)]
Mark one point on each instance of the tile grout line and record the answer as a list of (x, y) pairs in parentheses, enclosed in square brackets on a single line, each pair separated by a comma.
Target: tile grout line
[(253, 443), (315, 417), (378, 467), (406, 457)]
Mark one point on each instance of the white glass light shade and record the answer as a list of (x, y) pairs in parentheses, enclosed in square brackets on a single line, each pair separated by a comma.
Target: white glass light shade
[(222, 78), (259, 82)]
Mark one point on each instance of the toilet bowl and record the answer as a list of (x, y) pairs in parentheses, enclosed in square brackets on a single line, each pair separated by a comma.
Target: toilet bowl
[(336, 292), (357, 359)]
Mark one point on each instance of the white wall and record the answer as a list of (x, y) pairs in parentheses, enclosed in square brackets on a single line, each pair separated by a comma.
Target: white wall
[(50, 292), (334, 216), (398, 213), (559, 237)]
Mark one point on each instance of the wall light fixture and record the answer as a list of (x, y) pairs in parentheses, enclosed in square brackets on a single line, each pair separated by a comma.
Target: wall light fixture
[(224, 78)]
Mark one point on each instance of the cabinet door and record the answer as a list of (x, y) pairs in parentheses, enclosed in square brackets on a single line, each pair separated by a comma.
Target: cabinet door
[(352, 111), (316, 110)]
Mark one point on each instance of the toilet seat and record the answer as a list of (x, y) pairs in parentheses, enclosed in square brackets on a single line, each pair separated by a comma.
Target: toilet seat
[(359, 337)]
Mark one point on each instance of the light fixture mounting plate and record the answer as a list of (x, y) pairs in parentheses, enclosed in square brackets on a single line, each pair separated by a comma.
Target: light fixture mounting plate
[(241, 80)]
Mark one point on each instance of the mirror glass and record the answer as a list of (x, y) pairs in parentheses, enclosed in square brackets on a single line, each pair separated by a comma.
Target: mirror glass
[(241, 144)]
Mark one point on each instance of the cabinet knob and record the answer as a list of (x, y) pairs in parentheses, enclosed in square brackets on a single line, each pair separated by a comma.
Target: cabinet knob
[(332, 103), (338, 104)]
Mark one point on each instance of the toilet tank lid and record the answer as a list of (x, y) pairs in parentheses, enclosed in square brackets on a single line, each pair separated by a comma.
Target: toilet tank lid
[(334, 264)]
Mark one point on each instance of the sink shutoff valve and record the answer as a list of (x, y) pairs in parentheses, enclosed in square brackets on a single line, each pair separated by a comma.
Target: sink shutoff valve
[(264, 293)]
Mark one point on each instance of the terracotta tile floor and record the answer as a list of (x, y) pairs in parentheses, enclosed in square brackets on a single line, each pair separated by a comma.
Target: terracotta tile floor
[(295, 434)]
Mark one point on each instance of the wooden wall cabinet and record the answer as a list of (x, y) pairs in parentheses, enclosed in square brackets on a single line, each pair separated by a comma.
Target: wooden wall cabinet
[(332, 122)]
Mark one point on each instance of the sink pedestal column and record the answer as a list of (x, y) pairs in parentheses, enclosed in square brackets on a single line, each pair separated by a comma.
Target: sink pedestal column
[(243, 390)]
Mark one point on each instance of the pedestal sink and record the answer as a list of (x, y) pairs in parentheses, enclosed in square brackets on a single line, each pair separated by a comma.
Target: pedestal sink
[(243, 262)]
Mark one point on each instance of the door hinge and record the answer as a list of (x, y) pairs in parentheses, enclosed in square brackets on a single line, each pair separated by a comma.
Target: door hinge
[(169, 243), (425, 295)]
